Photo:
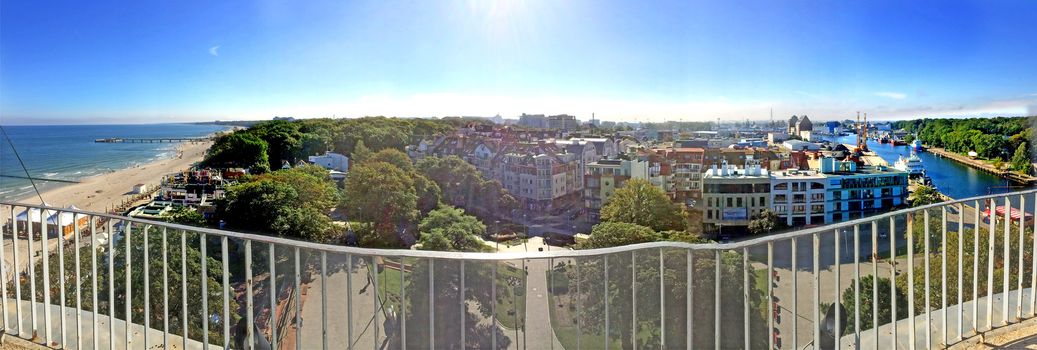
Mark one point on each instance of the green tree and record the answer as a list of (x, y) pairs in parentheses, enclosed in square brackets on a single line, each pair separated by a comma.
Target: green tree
[(156, 286), (239, 149), (763, 222), (614, 234), (639, 202), (925, 195), (382, 195), (1021, 159), (360, 152), (290, 203), (885, 311), (449, 229), (186, 216)]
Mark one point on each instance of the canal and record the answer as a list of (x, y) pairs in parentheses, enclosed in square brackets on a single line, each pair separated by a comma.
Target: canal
[(951, 178)]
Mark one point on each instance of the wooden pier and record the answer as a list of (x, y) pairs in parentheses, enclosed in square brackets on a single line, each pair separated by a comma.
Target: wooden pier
[(151, 139), (986, 167)]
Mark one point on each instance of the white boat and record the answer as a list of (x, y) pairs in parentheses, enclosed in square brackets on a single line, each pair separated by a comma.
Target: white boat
[(916, 145), (912, 165)]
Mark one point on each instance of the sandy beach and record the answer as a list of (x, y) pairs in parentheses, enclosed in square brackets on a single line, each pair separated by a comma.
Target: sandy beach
[(99, 192)]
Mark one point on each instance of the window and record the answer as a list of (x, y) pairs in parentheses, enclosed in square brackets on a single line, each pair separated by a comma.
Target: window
[(781, 187), (729, 201)]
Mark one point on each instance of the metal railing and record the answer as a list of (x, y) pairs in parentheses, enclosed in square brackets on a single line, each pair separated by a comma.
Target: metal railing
[(923, 277)]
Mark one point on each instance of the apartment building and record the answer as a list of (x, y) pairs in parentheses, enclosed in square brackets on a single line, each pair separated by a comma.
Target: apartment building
[(856, 191), (798, 197), (733, 195), (685, 174), (605, 176), (563, 122), (542, 177)]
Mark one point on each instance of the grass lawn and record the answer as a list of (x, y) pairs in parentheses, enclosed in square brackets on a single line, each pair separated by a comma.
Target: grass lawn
[(511, 301), (565, 329)]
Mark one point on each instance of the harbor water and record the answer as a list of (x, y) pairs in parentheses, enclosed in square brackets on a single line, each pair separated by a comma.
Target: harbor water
[(953, 179)]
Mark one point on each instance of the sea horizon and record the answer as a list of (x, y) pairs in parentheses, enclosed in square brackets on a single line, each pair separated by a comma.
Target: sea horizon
[(68, 152)]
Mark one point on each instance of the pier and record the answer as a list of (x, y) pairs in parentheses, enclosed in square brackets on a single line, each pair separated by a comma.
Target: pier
[(984, 166), (151, 139)]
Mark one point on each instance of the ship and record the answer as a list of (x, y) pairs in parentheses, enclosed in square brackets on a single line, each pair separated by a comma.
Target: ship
[(912, 165), (916, 145)]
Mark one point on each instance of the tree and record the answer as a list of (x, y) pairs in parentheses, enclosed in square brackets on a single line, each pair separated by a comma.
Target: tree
[(1021, 159), (292, 203), (186, 216), (382, 195), (763, 222), (449, 229), (360, 152), (156, 286), (614, 234), (639, 202), (885, 311), (925, 195), (239, 149)]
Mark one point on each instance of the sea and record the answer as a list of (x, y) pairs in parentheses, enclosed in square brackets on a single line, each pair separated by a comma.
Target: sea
[(68, 152)]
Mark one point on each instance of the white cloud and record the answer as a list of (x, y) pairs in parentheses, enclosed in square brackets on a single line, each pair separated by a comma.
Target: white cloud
[(893, 95), (215, 50)]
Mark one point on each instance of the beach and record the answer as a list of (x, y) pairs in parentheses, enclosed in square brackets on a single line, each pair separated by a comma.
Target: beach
[(99, 192)]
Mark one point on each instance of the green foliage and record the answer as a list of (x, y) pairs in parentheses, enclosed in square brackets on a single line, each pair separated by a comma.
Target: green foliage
[(463, 186), (763, 222), (155, 285), (925, 195), (384, 196), (360, 152), (1021, 159), (239, 149), (614, 234), (989, 137), (291, 203), (449, 229), (867, 285), (186, 216), (639, 202)]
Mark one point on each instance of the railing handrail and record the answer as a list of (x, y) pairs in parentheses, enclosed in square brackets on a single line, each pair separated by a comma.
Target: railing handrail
[(409, 253)]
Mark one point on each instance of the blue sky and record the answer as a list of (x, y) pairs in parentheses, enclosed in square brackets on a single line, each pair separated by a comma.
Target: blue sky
[(155, 61)]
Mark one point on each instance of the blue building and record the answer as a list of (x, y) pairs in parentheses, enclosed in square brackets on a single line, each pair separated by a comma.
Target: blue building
[(856, 191)]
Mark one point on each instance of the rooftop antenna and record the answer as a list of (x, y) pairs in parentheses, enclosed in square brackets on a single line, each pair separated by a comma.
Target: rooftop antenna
[(27, 176)]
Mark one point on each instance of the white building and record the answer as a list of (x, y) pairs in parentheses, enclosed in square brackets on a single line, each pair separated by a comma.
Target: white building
[(331, 161), (798, 197), (797, 145)]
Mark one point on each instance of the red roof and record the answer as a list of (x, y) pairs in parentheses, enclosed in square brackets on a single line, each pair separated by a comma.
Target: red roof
[(1014, 214)]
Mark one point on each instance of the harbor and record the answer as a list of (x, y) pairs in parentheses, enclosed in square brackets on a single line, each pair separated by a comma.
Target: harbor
[(952, 178), (1022, 179)]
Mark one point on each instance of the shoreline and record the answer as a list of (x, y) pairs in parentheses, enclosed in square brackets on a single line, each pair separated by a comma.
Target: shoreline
[(99, 192)]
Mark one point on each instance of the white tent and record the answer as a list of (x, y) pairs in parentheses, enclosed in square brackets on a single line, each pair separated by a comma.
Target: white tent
[(53, 218)]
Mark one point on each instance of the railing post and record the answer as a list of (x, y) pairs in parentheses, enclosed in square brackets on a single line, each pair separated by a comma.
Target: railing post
[(875, 281), (272, 255), (60, 229), (93, 273), (633, 297), (976, 225), (205, 290), (128, 301), (961, 275), (16, 278), (44, 242), (298, 301), (745, 293), (165, 289), (991, 207), (857, 285), (892, 280), (795, 301), (690, 302), (943, 271), (250, 339), (716, 302), (1022, 235), (323, 301), (1007, 261), (464, 307), (912, 330), (662, 300), (770, 296), (183, 285), (928, 309), (817, 288), (349, 300), (147, 287), (432, 306), (226, 291)]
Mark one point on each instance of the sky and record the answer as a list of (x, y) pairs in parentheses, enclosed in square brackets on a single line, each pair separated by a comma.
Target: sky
[(84, 62)]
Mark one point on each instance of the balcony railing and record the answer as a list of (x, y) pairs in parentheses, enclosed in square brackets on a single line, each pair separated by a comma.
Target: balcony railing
[(961, 274)]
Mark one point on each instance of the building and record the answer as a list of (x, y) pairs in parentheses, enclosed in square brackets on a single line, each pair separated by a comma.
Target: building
[(331, 161), (684, 181), (798, 197), (797, 145), (543, 177), (733, 196), (853, 192), (605, 176), (563, 122), (800, 127), (536, 121), (776, 137)]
